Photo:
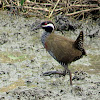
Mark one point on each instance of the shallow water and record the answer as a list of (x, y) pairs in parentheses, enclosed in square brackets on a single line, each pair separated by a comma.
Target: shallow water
[(23, 60)]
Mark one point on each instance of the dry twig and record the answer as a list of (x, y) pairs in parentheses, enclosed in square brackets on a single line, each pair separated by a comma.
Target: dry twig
[(83, 11), (59, 6)]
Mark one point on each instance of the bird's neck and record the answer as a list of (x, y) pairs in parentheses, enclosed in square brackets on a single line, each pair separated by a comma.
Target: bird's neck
[(44, 36)]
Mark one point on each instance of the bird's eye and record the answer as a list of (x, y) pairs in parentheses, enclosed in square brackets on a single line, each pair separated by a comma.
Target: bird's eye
[(45, 23)]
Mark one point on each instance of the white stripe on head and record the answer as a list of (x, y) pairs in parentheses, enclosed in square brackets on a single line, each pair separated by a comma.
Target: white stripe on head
[(50, 25)]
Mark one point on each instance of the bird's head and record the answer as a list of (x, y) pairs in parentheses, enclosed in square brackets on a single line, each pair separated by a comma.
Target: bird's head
[(48, 26)]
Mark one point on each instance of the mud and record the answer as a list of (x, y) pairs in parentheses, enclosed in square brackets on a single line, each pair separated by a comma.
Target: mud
[(23, 61)]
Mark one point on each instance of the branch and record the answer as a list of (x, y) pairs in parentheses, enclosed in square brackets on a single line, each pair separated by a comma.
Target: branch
[(92, 5), (43, 9), (83, 11), (54, 9)]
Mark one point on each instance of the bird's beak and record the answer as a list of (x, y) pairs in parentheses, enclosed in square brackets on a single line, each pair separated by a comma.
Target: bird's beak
[(36, 28)]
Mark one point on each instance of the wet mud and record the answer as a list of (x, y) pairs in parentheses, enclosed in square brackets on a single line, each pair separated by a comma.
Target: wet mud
[(23, 61)]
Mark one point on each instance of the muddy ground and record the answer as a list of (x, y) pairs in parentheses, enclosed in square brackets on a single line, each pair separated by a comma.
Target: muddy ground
[(23, 61)]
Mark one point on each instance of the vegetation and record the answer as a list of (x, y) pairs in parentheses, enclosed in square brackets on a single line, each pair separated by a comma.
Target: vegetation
[(51, 8)]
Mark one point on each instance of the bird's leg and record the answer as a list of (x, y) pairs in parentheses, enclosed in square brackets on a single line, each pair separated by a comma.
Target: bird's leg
[(70, 75), (60, 73)]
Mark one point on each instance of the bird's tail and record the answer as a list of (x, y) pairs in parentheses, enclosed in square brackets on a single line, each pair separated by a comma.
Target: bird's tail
[(79, 43)]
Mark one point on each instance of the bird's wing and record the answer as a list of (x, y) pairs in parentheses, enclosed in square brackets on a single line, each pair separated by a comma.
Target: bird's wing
[(61, 48)]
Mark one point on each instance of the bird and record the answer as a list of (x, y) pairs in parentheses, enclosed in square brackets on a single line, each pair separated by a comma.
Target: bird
[(62, 49)]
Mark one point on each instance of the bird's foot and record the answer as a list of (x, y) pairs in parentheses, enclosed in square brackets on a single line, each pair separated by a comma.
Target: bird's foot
[(54, 72), (47, 73)]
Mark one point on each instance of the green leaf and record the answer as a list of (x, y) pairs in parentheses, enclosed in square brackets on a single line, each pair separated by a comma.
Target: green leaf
[(22, 2), (16, 58)]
